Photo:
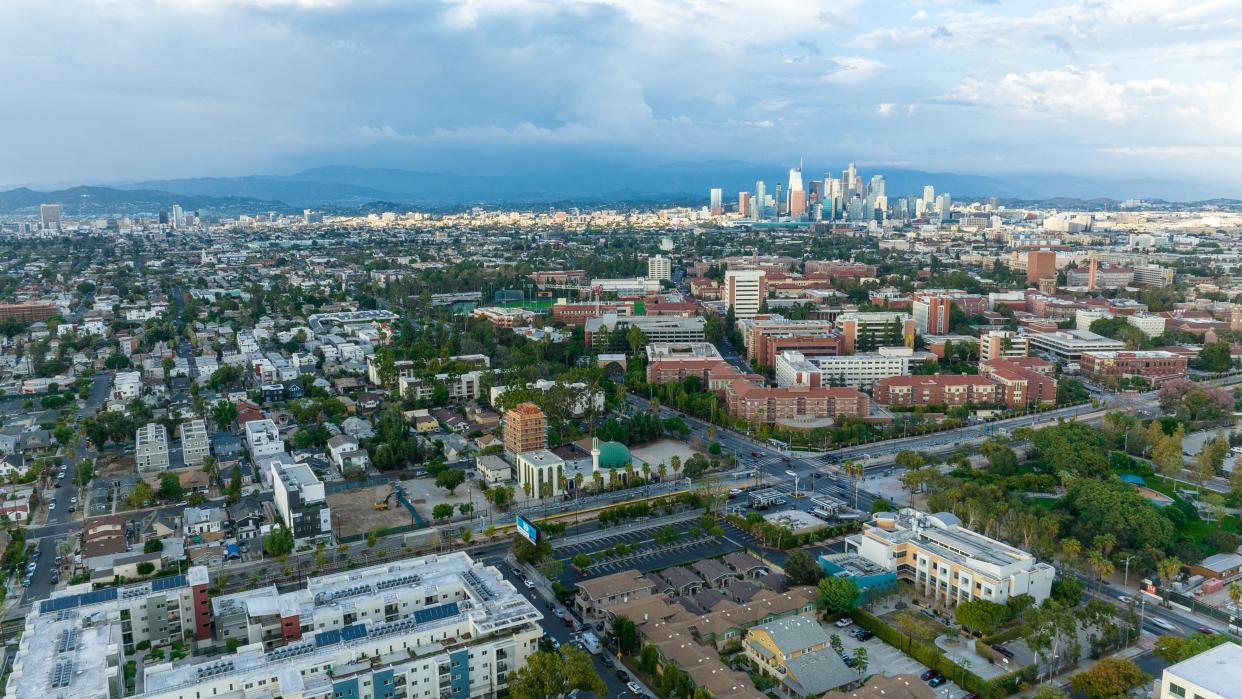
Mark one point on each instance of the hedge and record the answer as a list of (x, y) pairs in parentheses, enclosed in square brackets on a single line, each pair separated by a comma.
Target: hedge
[(930, 655)]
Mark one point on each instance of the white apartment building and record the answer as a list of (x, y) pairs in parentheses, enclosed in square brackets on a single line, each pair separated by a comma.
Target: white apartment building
[(126, 385), (863, 369), (659, 268), (195, 444), (745, 290), (262, 438), (151, 448), (1215, 673), (461, 387), (299, 496), (1152, 275), (948, 562), (998, 344)]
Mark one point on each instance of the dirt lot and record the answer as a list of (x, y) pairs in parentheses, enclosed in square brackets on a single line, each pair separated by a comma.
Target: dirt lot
[(114, 464), (353, 512)]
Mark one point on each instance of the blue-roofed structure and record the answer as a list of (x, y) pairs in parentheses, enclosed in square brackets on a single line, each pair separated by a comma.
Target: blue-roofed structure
[(442, 611)]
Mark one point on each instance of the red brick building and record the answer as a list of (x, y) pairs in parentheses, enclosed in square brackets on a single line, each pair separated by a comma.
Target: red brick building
[(1155, 365), (949, 390), (765, 404), (1021, 382), (578, 313)]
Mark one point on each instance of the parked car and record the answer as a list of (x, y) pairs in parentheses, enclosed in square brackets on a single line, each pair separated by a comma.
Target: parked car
[(1206, 631), (844, 622), (623, 675), (928, 675), (528, 583), (606, 660), (937, 681), (634, 687), (865, 636)]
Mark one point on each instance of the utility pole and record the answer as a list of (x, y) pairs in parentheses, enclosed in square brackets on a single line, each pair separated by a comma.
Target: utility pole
[(1125, 585)]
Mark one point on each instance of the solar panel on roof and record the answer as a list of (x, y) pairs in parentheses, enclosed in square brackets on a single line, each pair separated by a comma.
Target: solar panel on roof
[(168, 583), (327, 638), (353, 632), (442, 611), (72, 601)]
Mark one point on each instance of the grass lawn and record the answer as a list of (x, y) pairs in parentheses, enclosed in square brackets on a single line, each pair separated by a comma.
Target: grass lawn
[(916, 624)]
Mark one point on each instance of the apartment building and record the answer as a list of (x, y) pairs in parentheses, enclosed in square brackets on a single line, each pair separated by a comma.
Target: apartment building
[(525, 429), (745, 291), (948, 390), (1215, 673), (596, 594), (262, 438), (659, 268), (1152, 275), (766, 336), (1154, 365), (151, 448), (126, 386), (195, 444), (793, 405), (73, 642), (863, 331), (863, 369), (949, 563), (461, 387), (996, 344), (1021, 382), (300, 500)]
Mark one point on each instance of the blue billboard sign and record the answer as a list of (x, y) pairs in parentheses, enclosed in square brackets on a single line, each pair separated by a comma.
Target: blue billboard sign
[(527, 529)]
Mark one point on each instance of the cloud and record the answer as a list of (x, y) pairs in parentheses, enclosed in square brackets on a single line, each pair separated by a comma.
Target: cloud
[(885, 109), (851, 70)]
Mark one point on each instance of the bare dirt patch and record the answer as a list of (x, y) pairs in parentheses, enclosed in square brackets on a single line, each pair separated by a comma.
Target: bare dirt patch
[(353, 511)]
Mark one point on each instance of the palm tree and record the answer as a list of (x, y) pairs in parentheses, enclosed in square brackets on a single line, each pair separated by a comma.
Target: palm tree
[(1235, 593), (1071, 549), (646, 471), (675, 464), (598, 479), (854, 470), (662, 470), (629, 473), (1168, 568), (577, 483)]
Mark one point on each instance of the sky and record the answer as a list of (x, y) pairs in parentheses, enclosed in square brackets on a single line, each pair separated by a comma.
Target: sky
[(104, 91)]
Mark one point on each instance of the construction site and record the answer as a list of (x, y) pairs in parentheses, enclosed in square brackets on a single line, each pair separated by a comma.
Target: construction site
[(359, 511)]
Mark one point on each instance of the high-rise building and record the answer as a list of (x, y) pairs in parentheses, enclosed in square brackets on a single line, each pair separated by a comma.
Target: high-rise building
[(944, 204), (526, 429), (781, 210), (850, 174), (49, 215), (931, 314), (797, 196), (743, 204), (717, 201), (761, 201), (178, 216), (659, 268), (745, 290), (929, 196), (1040, 264)]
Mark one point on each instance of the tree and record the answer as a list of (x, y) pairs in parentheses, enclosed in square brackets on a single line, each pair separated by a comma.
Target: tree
[(223, 412), (84, 473), (152, 546), (838, 595), (1168, 455), (449, 479), (235, 484), (279, 542), (981, 615), (553, 675), (802, 569), (170, 486), (580, 561), (836, 644), (860, 660), (442, 511), (649, 659), (1175, 649), (1108, 678), (140, 495), (625, 632), (146, 568), (1215, 357), (1155, 435), (1210, 460), (1168, 568)]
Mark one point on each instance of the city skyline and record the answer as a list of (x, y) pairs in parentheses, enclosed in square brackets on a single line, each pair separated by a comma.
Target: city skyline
[(193, 89)]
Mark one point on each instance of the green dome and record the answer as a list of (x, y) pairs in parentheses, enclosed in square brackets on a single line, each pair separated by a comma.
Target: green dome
[(613, 455)]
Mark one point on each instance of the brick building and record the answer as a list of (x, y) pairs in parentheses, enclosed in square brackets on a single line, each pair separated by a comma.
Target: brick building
[(1155, 365), (948, 389)]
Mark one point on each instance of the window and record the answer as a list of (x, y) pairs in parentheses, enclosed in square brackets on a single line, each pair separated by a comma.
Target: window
[(1176, 690)]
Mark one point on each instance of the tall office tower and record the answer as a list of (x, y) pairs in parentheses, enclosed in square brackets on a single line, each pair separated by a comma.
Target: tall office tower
[(745, 290), (851, 174), (761, 200), (814, 195), (944, 203), (881, 207), (743, 204), (797, 196), (856, 209), (178, 216), (901, 209), (929, 196), (780, 203), (1040, 264), (717, 201), (49, 215), (659, 268), (877, 186)]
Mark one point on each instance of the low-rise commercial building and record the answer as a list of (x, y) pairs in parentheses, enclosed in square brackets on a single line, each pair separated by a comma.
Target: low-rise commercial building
[(1067, 346), (1215, 673), (949, 563), (862, 369)]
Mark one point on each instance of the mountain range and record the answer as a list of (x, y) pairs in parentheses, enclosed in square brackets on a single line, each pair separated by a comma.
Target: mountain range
[(344, 188)]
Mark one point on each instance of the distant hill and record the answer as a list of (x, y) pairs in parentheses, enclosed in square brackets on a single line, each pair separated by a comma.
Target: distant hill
[(101, 201), (340, 186)]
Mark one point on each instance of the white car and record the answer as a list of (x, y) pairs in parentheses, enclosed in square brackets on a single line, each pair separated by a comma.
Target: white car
[(634, 687), (844, 622), (51, 505), (74, 499), (530, 585)]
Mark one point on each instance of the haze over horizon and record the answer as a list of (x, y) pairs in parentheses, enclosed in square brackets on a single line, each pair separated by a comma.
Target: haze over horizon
[(162, 89)]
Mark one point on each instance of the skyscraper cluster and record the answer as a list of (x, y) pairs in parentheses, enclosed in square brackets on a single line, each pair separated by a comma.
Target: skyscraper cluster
[(844, 198)]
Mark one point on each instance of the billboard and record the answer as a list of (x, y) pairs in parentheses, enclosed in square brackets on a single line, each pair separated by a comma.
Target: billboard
[(527, 530)]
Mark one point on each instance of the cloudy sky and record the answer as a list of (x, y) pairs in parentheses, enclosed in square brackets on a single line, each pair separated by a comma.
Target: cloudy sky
[(115, 90)]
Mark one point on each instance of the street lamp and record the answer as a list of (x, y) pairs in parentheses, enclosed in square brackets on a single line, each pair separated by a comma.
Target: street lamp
[(793, 475)]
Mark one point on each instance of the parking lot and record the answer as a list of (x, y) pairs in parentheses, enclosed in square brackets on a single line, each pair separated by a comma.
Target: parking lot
[(652, 557), (889, 661)]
